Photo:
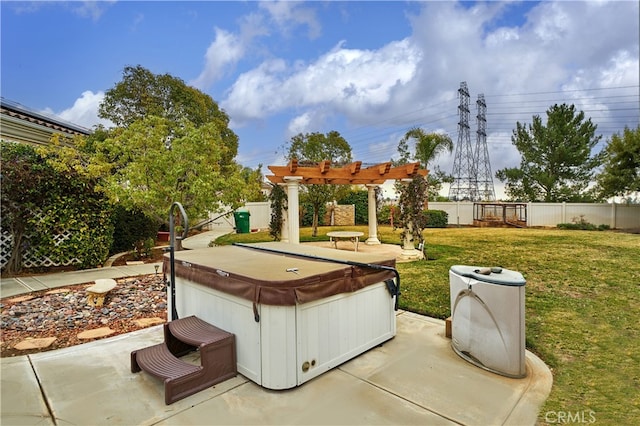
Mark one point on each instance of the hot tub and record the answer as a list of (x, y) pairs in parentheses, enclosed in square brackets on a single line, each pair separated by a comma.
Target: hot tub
[(294, 318)]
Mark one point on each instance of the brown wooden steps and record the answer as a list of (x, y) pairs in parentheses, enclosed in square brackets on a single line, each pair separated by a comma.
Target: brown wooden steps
[(181, 379)]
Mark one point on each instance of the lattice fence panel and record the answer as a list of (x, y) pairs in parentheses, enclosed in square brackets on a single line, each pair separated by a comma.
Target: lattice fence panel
[(31, 258), (6, 244)]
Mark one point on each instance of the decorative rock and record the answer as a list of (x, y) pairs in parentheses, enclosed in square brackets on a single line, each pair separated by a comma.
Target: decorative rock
[(98, 332), (30, 343), (147, 322), (21, 298), (66, 314), (58, 291)]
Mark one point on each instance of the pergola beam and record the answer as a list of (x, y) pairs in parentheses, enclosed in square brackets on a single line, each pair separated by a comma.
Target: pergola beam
[(350, 174)]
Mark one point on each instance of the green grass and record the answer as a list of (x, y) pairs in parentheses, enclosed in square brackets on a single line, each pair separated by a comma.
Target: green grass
[(582, 304)]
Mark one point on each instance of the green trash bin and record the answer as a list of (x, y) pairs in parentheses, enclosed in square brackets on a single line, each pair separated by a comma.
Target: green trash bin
[(242, 221)]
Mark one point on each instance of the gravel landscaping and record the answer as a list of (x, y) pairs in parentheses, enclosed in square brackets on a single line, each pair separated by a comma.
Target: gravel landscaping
[(63, 314)]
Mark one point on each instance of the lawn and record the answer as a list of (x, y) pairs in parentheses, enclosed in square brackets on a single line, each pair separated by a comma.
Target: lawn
[(582, 305)]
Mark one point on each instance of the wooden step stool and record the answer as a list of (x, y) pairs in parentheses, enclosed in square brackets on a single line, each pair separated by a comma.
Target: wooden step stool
[(181, 379)]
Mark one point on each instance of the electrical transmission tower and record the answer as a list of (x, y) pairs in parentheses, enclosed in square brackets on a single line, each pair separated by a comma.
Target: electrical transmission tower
[(464, 185), (482, 164)]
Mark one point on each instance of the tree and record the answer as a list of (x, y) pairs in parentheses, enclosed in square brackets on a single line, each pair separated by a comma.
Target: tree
[(557, 162), (314, 148), (428, 146), (435, 179), (147, 172), (25, 179), (142, 94), (172, 143), (253, 179), (621, 173)]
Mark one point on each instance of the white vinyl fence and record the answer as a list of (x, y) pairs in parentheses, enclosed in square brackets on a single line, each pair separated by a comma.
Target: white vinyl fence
[(616, 216), (259, 217)]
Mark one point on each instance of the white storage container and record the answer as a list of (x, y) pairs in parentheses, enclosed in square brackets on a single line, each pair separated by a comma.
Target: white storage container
[(487, 318)]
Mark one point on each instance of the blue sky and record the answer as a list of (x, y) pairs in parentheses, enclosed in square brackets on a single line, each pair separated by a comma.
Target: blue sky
[(370, 70)]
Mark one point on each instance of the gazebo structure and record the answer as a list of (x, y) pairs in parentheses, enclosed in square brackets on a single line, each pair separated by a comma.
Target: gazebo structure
[(292, 175)]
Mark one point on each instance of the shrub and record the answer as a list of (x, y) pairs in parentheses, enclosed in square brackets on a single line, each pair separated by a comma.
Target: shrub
[(384, 215), (582, 224), (435, 218), (130, 228), (306, 212), (52, 212)]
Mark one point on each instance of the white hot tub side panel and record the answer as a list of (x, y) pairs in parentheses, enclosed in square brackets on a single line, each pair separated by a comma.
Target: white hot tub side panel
[(335, 329), (278, 346)]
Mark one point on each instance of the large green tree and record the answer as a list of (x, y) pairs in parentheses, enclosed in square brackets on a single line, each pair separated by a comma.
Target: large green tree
[(314, 148), (557, 159), (171, 143), (620, 175), (155, 161), (141, 94)]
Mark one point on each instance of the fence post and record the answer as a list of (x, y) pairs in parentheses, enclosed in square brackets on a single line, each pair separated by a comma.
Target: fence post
[(612, 221)]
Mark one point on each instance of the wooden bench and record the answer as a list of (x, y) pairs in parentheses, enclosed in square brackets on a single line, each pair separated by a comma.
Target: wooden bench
[(354, 236), (97, 292)]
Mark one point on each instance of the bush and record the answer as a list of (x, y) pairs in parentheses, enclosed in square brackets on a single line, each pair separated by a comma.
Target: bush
[(130, 229), (582, 224), (384, 215), (306, 210), (53, 213), (435, 218)]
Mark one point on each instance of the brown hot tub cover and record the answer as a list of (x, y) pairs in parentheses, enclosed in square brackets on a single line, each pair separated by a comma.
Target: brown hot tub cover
[(278, 279)]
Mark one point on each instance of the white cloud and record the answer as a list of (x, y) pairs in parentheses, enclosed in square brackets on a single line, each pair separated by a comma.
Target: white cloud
[(299, 124), (622, 70), (256, 94), (350, 81), (288, 15), (90, 9), (84, 111), (224, 52)]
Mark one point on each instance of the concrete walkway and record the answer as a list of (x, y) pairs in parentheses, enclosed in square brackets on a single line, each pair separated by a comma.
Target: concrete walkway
[(415, 378), (14, 286)]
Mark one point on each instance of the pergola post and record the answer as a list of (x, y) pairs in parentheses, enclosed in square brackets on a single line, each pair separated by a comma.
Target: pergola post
[(293, 208), (409, 251), (373, 219), (284, 229)]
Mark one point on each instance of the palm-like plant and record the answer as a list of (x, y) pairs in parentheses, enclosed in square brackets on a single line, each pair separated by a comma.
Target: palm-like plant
[(428, 145)]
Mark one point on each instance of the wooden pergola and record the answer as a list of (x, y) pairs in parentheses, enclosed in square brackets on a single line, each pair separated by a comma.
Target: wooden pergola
[(294, 174)]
